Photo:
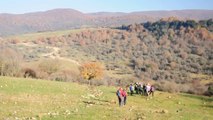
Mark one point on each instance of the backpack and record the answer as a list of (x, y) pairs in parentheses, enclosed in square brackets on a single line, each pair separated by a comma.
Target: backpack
[(152, 89), (118, 93)]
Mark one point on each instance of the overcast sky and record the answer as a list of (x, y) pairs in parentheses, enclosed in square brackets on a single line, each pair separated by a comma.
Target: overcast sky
[(88, 6)]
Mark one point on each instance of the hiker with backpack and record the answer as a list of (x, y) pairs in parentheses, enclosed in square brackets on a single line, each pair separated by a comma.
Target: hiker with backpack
[(119, 94), (124, 95), (152, 90)]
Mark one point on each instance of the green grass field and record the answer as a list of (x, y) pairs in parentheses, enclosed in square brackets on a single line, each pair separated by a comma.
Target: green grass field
[(48, 100)]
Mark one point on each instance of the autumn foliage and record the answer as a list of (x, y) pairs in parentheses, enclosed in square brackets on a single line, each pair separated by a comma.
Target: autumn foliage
[(91, 70)]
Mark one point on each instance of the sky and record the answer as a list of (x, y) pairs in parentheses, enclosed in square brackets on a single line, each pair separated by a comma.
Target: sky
[(89, 6)]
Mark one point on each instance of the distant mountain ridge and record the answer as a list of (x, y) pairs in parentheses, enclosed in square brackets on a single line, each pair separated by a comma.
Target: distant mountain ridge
[(62, 19)]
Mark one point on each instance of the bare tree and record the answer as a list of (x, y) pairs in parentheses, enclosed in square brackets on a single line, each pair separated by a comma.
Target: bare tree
[(49, 66), (10, 62)]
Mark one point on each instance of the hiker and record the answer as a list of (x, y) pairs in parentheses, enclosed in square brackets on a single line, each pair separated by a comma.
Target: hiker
[(152, 90), (131, 89), (136, 88), (124, 95), (140, 88), (148, 87), (120, 96), (144, 89)]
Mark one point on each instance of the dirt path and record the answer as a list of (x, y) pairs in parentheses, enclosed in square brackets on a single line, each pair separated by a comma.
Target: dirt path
[(54, 54)]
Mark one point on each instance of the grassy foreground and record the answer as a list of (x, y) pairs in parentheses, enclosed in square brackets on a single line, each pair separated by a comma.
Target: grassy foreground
[(46, 100)]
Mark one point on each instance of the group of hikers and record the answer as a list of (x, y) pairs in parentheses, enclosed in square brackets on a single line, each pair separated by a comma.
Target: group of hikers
[(136, 88)]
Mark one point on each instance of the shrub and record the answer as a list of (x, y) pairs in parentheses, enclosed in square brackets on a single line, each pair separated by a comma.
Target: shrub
[(184, 87), (173, 65), (183, 55), (91, 70), (49, 66), (167, 86), (198, 51), (64, 76), (196, 87), (29, 73), (124, 82), (41, 74), (10, 62), (209, 91), (99, 82)]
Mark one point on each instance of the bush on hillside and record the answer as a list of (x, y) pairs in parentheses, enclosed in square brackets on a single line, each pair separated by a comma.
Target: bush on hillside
[(28, 72), (49, 66), (197, 88), (209, 91), (168, 86), (10, 62), (91, 70), (64, 76)]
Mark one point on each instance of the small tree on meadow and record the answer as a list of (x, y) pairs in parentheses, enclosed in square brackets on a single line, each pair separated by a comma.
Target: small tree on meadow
[(91, 70)]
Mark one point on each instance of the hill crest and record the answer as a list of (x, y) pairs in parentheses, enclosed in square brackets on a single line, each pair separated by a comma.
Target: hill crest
[(62, 19)]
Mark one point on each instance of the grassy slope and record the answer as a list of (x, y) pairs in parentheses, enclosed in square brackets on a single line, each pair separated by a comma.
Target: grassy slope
[(64, 65), (31, 36), (25, 98), (81, 56)]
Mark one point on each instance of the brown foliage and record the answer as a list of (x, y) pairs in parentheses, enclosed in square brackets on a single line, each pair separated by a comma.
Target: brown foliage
[(173, 65), (10, 62), (204, 34), (167, 55), (29, 73), (91, 70), (197, 88), (183, 55), (170, 19), (49, 66), (15, 41), (64, 75), (167, 86)]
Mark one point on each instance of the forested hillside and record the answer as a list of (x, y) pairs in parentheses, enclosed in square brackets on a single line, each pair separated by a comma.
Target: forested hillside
[(169, 51), (63, 19)]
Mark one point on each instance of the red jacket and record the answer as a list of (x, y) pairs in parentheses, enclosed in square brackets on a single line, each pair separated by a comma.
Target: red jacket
[(123, 93)]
